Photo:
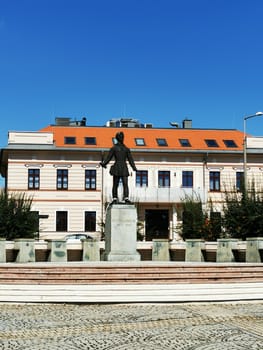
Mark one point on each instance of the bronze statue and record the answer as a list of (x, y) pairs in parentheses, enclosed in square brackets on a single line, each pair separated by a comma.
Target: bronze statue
[(119, 169)]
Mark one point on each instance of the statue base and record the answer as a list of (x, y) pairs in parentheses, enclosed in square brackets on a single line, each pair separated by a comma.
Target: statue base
[(121, 233)]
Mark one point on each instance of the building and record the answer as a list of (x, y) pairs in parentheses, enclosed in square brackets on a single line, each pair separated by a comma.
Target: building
[(59, 167)]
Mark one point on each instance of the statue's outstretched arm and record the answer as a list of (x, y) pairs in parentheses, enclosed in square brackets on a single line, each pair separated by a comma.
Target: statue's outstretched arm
[(131, 161), (108, 158)]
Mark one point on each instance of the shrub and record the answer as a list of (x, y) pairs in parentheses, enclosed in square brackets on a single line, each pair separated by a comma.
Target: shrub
[(16, 218), (198, 223), (243, 213)]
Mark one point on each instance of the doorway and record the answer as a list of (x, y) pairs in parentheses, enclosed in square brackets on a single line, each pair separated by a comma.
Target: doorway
[(156, 224)]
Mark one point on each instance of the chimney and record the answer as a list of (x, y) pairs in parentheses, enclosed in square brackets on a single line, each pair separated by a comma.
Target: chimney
[(187, 124)]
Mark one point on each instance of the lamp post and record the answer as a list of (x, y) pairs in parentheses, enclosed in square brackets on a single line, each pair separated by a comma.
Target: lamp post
[(258, 114)]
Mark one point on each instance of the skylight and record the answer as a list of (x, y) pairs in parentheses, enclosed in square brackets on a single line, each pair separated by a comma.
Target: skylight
[(230, 143), (140, 142), (184, 142), (90, 140), (70, 140), (211, 143), (161, 142)]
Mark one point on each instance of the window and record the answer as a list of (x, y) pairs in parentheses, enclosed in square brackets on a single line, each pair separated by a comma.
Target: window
[(164, 178), (141, 178), (239, 180), (184, 142), (214, 181), (140, 142), (211, 143), (161, 142), (90, 140), (33, 179), (70, 140), (230, 143), (62, 179), (61, 221), (90, 179), (187, 178), (90, 221)]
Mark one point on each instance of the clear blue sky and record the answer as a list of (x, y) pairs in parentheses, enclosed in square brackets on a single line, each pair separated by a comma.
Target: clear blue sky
[(153, 60)]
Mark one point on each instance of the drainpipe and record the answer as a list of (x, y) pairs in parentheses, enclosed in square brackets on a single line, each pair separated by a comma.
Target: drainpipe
[(102, 193), (204, 167)]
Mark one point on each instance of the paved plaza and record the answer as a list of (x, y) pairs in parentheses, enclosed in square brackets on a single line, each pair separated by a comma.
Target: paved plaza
[(188, 326)]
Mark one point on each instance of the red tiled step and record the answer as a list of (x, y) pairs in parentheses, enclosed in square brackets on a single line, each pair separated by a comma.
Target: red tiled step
[(130, 273)]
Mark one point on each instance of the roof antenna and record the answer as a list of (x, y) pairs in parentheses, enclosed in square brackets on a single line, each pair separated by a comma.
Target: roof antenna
[(124, 110)]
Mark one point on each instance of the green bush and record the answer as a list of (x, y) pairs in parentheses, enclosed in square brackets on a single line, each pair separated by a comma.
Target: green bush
[(16, 218), (243, 213), (197, 223)]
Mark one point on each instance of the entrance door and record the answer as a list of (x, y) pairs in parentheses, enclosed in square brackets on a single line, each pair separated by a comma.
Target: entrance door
[(156, 224)]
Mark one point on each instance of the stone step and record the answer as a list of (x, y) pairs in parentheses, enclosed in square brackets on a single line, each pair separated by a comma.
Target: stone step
[(130, 282), (131, 293), (132, 273)]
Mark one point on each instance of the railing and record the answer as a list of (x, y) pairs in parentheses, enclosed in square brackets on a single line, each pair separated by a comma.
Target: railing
[(224, 250), (162, 194)]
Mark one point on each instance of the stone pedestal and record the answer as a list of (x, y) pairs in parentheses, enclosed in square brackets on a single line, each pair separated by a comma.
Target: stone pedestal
[(254, 245), (91, 250), (26, 250), (121, 233), (160, 251), (225, 247), (2, 250), (194, 250), (58, 251)]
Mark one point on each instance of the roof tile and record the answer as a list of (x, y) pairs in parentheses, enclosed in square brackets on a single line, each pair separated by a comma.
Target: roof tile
[(105, 134)]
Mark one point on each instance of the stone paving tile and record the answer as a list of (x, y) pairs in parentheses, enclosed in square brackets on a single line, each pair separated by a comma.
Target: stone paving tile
[(193, 326)]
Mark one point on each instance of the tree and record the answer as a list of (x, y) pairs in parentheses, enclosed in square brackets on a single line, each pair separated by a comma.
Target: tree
[(16, 218), (193, 219), (243, 213), (199, 223)]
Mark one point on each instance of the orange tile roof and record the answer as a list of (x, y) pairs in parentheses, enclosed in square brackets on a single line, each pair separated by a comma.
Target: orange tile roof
[(105, 134)]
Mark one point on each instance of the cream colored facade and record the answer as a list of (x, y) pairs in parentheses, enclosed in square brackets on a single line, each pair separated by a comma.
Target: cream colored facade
[(38, 150)]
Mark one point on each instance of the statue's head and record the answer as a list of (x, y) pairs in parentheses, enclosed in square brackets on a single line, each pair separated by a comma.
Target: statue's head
[(120, 137)]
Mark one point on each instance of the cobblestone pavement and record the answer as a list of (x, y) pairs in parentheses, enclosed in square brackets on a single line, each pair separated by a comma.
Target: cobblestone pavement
[(195, 326)]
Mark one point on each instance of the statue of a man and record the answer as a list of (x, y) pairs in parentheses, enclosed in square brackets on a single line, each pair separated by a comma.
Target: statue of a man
[(119, 169)]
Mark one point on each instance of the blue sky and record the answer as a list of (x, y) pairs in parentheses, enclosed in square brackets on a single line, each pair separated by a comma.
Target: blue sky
[(153, 60)]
